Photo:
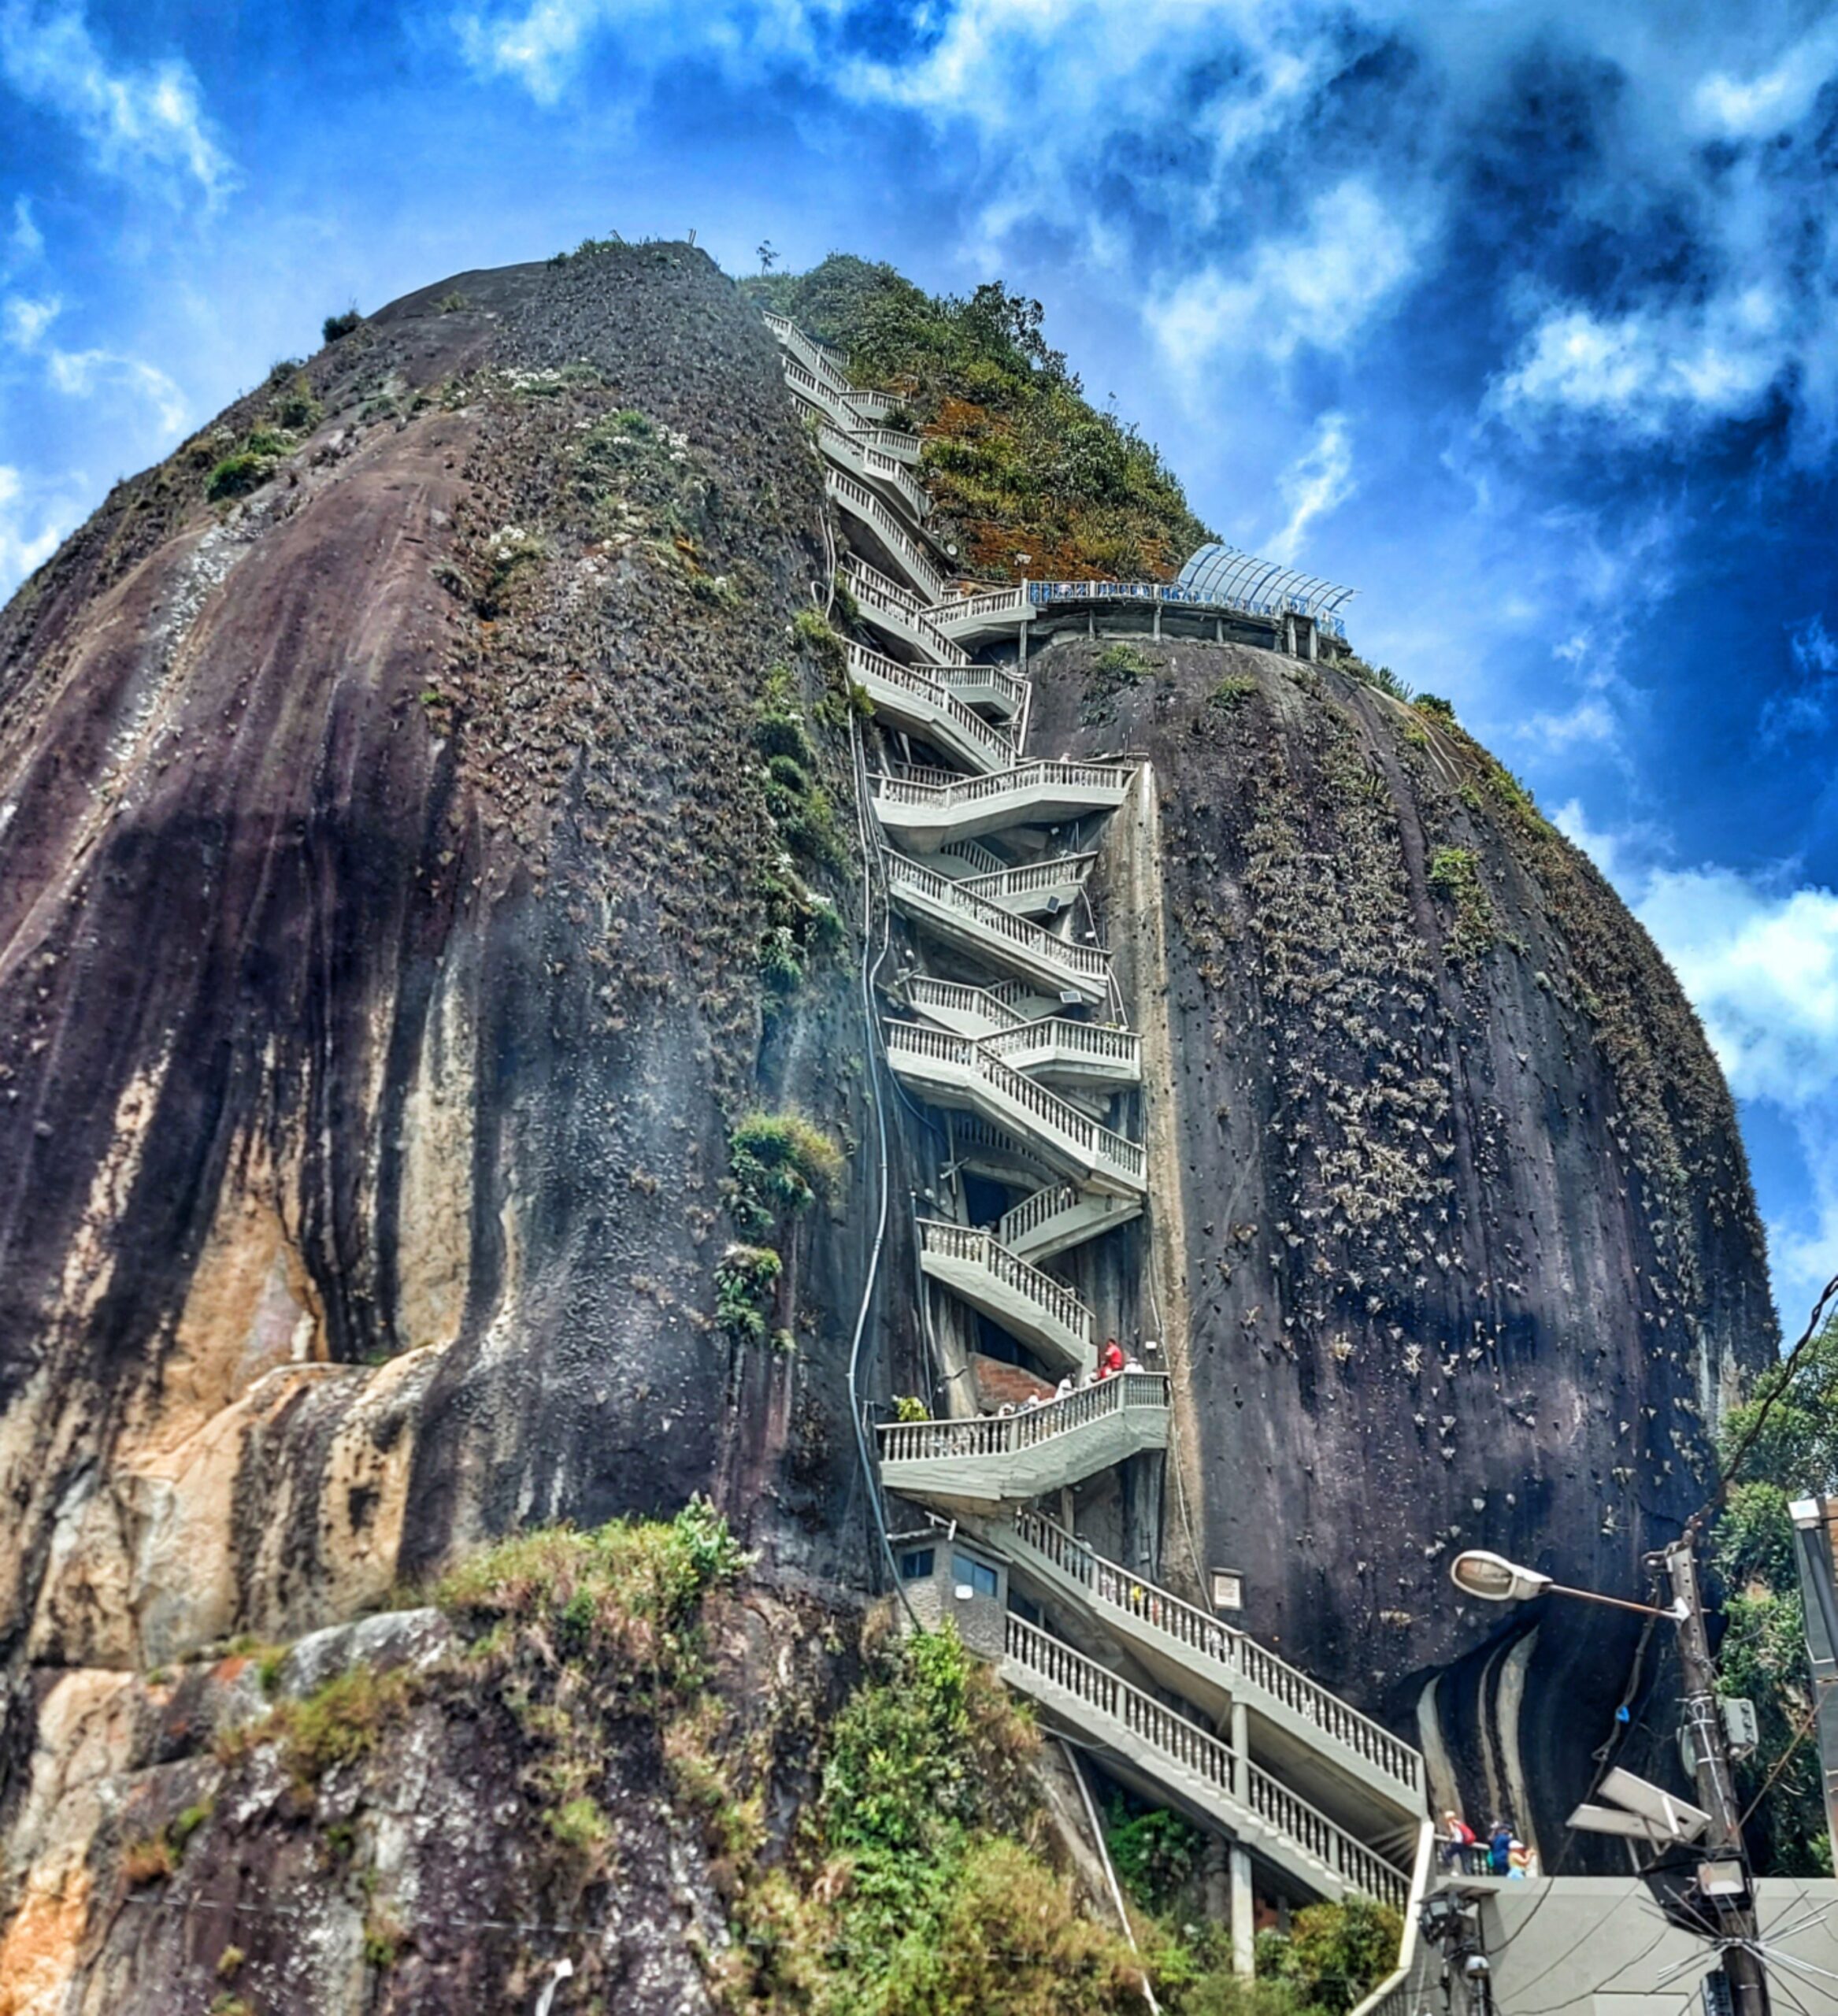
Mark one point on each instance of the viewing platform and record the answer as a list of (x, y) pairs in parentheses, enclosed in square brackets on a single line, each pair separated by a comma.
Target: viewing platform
[(914, 698), (1058, 966), (1168, 1756), (923, 814), (1060, 1217), (1031, 1306), (1342, 1761), (953, 1071), (969, 1466)]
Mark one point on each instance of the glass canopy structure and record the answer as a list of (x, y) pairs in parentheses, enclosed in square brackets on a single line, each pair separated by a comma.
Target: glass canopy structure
[(1223, 573)]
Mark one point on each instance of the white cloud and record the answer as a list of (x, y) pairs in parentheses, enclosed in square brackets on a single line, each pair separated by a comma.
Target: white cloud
[(1763, 970), (82, 373), (21, 550), (1770, 102), (1808, 707), (1319, 288), (1318, 481), (139, 122), (1649, 371), (26, 320), (25, 241)]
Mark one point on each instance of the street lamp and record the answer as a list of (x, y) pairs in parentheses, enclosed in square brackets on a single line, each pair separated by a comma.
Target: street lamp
[(1495, 1579), (1723, 1877)]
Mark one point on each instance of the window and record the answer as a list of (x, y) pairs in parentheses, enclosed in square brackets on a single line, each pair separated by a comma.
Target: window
[(968, 1572), (1227, 1589), (916, 1567)]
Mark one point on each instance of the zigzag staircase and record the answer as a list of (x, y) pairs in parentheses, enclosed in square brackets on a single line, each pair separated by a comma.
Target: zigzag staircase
[(1009, 1025)]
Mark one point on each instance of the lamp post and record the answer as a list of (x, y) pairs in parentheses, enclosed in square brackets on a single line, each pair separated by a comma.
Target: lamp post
[(1724, 1879)]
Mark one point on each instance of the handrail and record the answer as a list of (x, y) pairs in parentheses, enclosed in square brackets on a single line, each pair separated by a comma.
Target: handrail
[(997, 601), (1094, 1143), (848, 449), (1041, 770), (970, 1130), (924, 992), (856, 494), (891, 441), (874, 590), (1048, 874), (1203, 1756), (816, 357), (1036, 1211), (1116, 1588), (866, 665), (1058, 1036), (985, 861), (980, 1248), (1088, 961), (1005, 1435), (1014, 691), (872, 407)]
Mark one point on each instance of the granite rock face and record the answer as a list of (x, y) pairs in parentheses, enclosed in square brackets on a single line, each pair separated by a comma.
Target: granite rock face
[(379, 928), (397, 915), (1453, 1213)]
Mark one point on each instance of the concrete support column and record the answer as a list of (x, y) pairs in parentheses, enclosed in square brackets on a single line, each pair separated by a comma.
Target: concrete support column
[(1313, 641), (1243, 1915), (1240, 1753), (1157, 623)]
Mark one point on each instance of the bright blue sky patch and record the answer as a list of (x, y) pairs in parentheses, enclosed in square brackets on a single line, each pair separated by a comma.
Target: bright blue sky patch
[(1522, 319)]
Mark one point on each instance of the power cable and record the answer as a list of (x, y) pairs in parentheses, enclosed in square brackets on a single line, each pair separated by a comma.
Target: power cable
[(1751, 1433)]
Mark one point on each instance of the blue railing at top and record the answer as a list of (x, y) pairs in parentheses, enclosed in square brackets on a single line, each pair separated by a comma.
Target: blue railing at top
[(1166, 591)]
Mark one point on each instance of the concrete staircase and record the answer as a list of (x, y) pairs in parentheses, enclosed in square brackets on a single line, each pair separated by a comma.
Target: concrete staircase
[(1003, 1044)]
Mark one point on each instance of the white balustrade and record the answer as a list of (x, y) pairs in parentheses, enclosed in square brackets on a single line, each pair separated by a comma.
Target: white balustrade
[(1088, 960), (1055, 873), (925, 992), (1200, 1754), (1003, 1435), (1117, 1589), (854, 495), (976, 1247), (1060, 1122), (1056, 1038), (867, 668), (879, 596)]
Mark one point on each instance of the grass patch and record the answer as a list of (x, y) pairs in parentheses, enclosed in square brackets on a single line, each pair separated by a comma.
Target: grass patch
[(1455, 875), (342, 1721), (1017, 459), (1232, 691), (779, 1164)]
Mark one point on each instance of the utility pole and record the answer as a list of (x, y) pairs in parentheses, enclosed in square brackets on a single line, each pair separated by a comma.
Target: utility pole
[(1733, 1903)]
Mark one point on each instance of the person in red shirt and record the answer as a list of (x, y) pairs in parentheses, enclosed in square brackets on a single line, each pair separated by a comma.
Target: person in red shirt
[(1110, 1359)]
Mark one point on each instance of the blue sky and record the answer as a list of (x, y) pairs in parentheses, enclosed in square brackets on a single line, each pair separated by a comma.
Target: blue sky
[(1523, 319)]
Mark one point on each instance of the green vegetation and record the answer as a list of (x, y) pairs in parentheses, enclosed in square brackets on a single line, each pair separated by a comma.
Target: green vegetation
[(1334, 1955), (778, 1165), (800, 924), (1454, 874), (1433, 703), (1018, 460), (1763, 1655), (334, 329), (922, 1888), (1381, 676), (1234, 688), (152, 1857), (1155, 1853), (341, 1721), (747, 1283)]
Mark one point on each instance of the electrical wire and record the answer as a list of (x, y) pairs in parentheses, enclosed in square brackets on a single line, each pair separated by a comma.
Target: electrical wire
[(1781, 1763), (1746, 1441)]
